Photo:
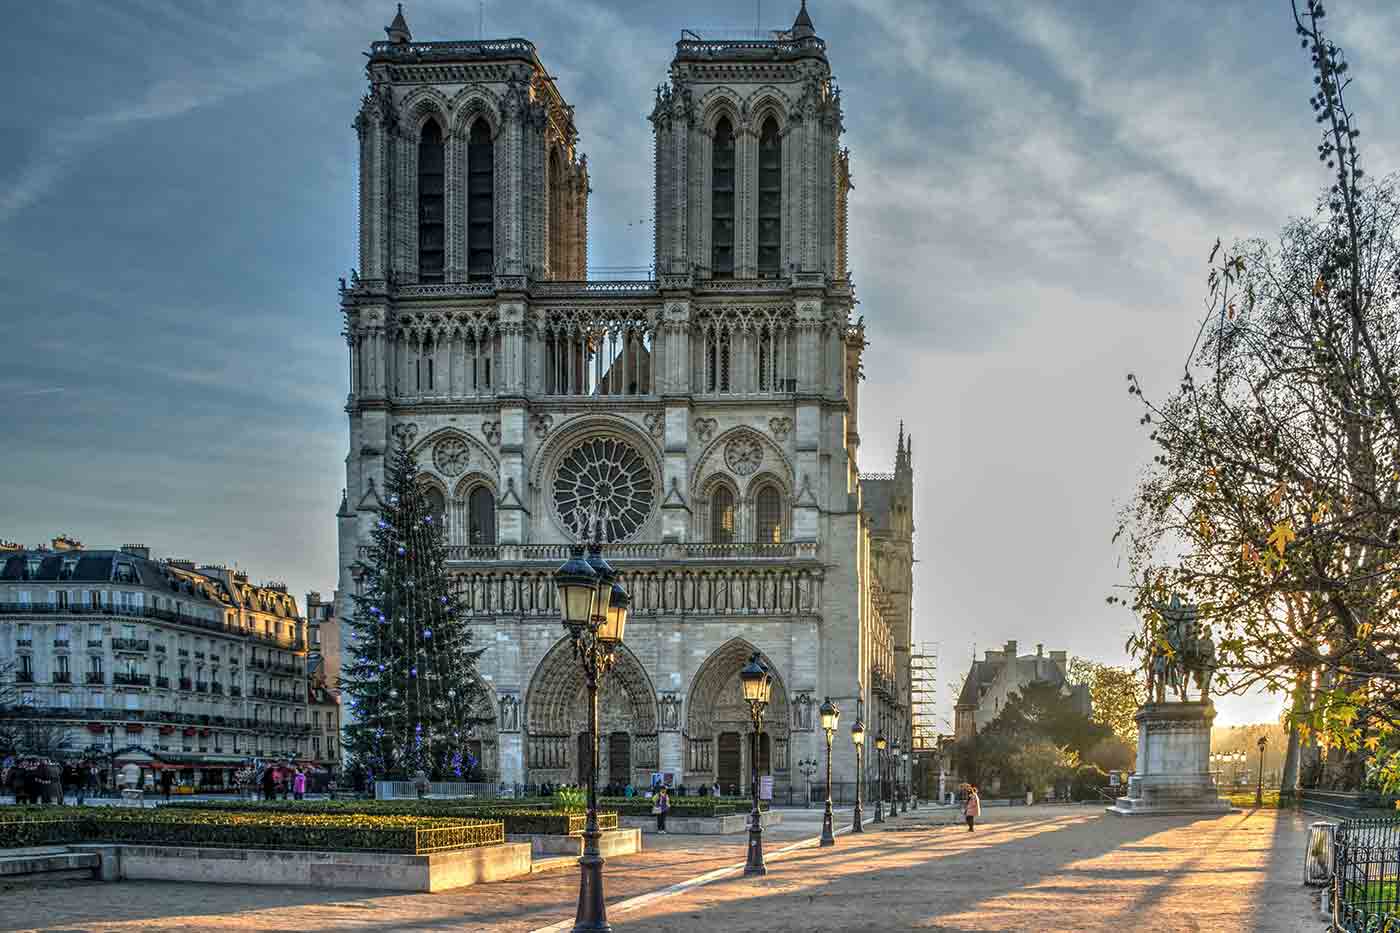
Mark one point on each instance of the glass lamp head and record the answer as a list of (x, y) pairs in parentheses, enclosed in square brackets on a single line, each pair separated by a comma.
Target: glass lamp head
[(615, 621), (880, 742), (577, 585), (755, 681), (858, 732), (830, 714), (606, 576)]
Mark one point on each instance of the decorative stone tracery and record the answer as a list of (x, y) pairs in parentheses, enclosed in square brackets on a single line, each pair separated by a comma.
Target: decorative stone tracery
[(451, 456), (607, 477)]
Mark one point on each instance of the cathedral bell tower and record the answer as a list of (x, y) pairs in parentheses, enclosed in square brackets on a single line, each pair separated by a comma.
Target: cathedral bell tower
[(750, 180)]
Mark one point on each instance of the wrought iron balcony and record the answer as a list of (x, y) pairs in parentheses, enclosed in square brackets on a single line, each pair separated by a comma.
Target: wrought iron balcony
[(24, 677), (186, 683), (24, 643), (131, 680), (94, 643), (131, 644), (63, 677), (96, 677), (163, 682), (201, 687), (60, 643)]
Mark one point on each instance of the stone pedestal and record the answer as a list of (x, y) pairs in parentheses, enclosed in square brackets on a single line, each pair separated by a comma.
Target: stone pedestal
[(1173, 763)]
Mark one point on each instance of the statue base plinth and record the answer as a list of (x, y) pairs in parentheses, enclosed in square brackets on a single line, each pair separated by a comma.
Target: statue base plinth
[(1173, 763)]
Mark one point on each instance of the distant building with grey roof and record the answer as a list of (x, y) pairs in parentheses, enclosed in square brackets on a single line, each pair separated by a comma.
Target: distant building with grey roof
[(991, 681)]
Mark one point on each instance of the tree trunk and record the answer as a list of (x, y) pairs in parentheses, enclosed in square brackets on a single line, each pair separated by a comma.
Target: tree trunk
[(1288, 784)]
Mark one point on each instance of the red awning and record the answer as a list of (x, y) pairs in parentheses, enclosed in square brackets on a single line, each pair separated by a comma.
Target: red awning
[(96, 727), (134, 727)]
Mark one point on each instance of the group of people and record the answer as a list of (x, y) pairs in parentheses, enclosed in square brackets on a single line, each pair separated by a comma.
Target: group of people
[(277, 783)]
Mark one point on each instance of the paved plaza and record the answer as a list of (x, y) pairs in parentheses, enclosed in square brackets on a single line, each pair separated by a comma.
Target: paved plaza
[(1037, 868)]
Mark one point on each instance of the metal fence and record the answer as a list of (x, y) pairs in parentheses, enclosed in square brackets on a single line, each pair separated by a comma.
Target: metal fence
[(1367, 875), (407, 790)]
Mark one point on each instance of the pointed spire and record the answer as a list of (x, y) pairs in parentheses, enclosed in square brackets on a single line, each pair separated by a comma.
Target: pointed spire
[(344, 510), (398, 29), (802, 26)]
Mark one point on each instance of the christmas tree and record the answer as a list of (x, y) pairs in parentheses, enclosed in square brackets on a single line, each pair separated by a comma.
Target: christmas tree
[(412, 678)]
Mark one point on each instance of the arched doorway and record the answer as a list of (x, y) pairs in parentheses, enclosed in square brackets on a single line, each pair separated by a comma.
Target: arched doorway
[(719, 730), (557, 742)]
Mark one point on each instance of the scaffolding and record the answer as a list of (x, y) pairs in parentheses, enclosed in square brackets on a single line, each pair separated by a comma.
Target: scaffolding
[(923, 691)]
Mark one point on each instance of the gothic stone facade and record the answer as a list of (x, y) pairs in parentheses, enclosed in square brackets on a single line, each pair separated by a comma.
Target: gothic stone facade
[(712, 412)]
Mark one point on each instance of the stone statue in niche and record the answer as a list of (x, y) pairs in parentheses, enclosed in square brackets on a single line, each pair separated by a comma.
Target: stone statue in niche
[(510, 713), (802, 712), (670, 712)]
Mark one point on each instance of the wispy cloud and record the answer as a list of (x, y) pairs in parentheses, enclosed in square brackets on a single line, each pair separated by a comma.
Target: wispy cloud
[(63, 145)]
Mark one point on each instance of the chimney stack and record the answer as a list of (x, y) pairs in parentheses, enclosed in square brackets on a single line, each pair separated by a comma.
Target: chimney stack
[(1011, 649)]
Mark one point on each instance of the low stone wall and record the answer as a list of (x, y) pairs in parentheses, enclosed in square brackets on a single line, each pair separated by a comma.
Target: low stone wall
[(379, 871), (701, 825), (611, 843)]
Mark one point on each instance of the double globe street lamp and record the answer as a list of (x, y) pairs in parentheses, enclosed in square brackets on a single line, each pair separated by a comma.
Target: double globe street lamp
[(593, 607), (757, 685), (830, 714), (858, 739)]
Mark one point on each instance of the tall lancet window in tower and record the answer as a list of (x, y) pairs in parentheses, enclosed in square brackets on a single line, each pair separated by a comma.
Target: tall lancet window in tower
[(481, 176), (430, 205), (722, 202), (770, 200)]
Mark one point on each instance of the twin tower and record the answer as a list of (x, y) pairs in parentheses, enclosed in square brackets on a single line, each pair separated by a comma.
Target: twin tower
[(470, 166)]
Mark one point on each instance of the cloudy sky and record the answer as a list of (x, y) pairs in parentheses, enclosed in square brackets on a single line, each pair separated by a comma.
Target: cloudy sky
[(1037, 187)]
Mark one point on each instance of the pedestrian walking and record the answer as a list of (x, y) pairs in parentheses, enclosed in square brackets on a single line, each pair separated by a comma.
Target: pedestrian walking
[(661, 807), (714, 791), (269, 784), (299, 784), (167, 783), (973, 808)]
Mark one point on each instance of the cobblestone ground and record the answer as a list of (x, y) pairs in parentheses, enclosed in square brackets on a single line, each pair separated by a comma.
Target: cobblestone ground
[(1038, 868)]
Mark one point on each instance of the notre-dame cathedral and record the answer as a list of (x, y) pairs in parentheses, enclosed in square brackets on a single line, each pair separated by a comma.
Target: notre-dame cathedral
[(712, 412)]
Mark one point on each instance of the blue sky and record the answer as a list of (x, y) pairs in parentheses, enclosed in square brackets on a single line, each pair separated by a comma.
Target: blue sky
[(1037, 188)]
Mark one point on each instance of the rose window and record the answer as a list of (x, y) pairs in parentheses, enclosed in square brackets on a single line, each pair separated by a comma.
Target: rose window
[(743, 454), (450, 456), (607, 478)]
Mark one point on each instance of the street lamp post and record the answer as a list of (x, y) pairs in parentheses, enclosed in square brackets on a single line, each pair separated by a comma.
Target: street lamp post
[(904, 758), (830, 714), (914, 772), (858, 738), (757, 684), (880, 777), (1259, 788), (593, 608), (894, 778), (808, 767)]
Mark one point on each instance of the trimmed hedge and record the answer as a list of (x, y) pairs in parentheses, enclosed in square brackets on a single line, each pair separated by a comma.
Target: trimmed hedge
[(682, 806), (517, 820), (202, 827)]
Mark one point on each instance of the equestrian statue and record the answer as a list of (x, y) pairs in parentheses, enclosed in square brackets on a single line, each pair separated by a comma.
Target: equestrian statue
[(1188, 654)]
